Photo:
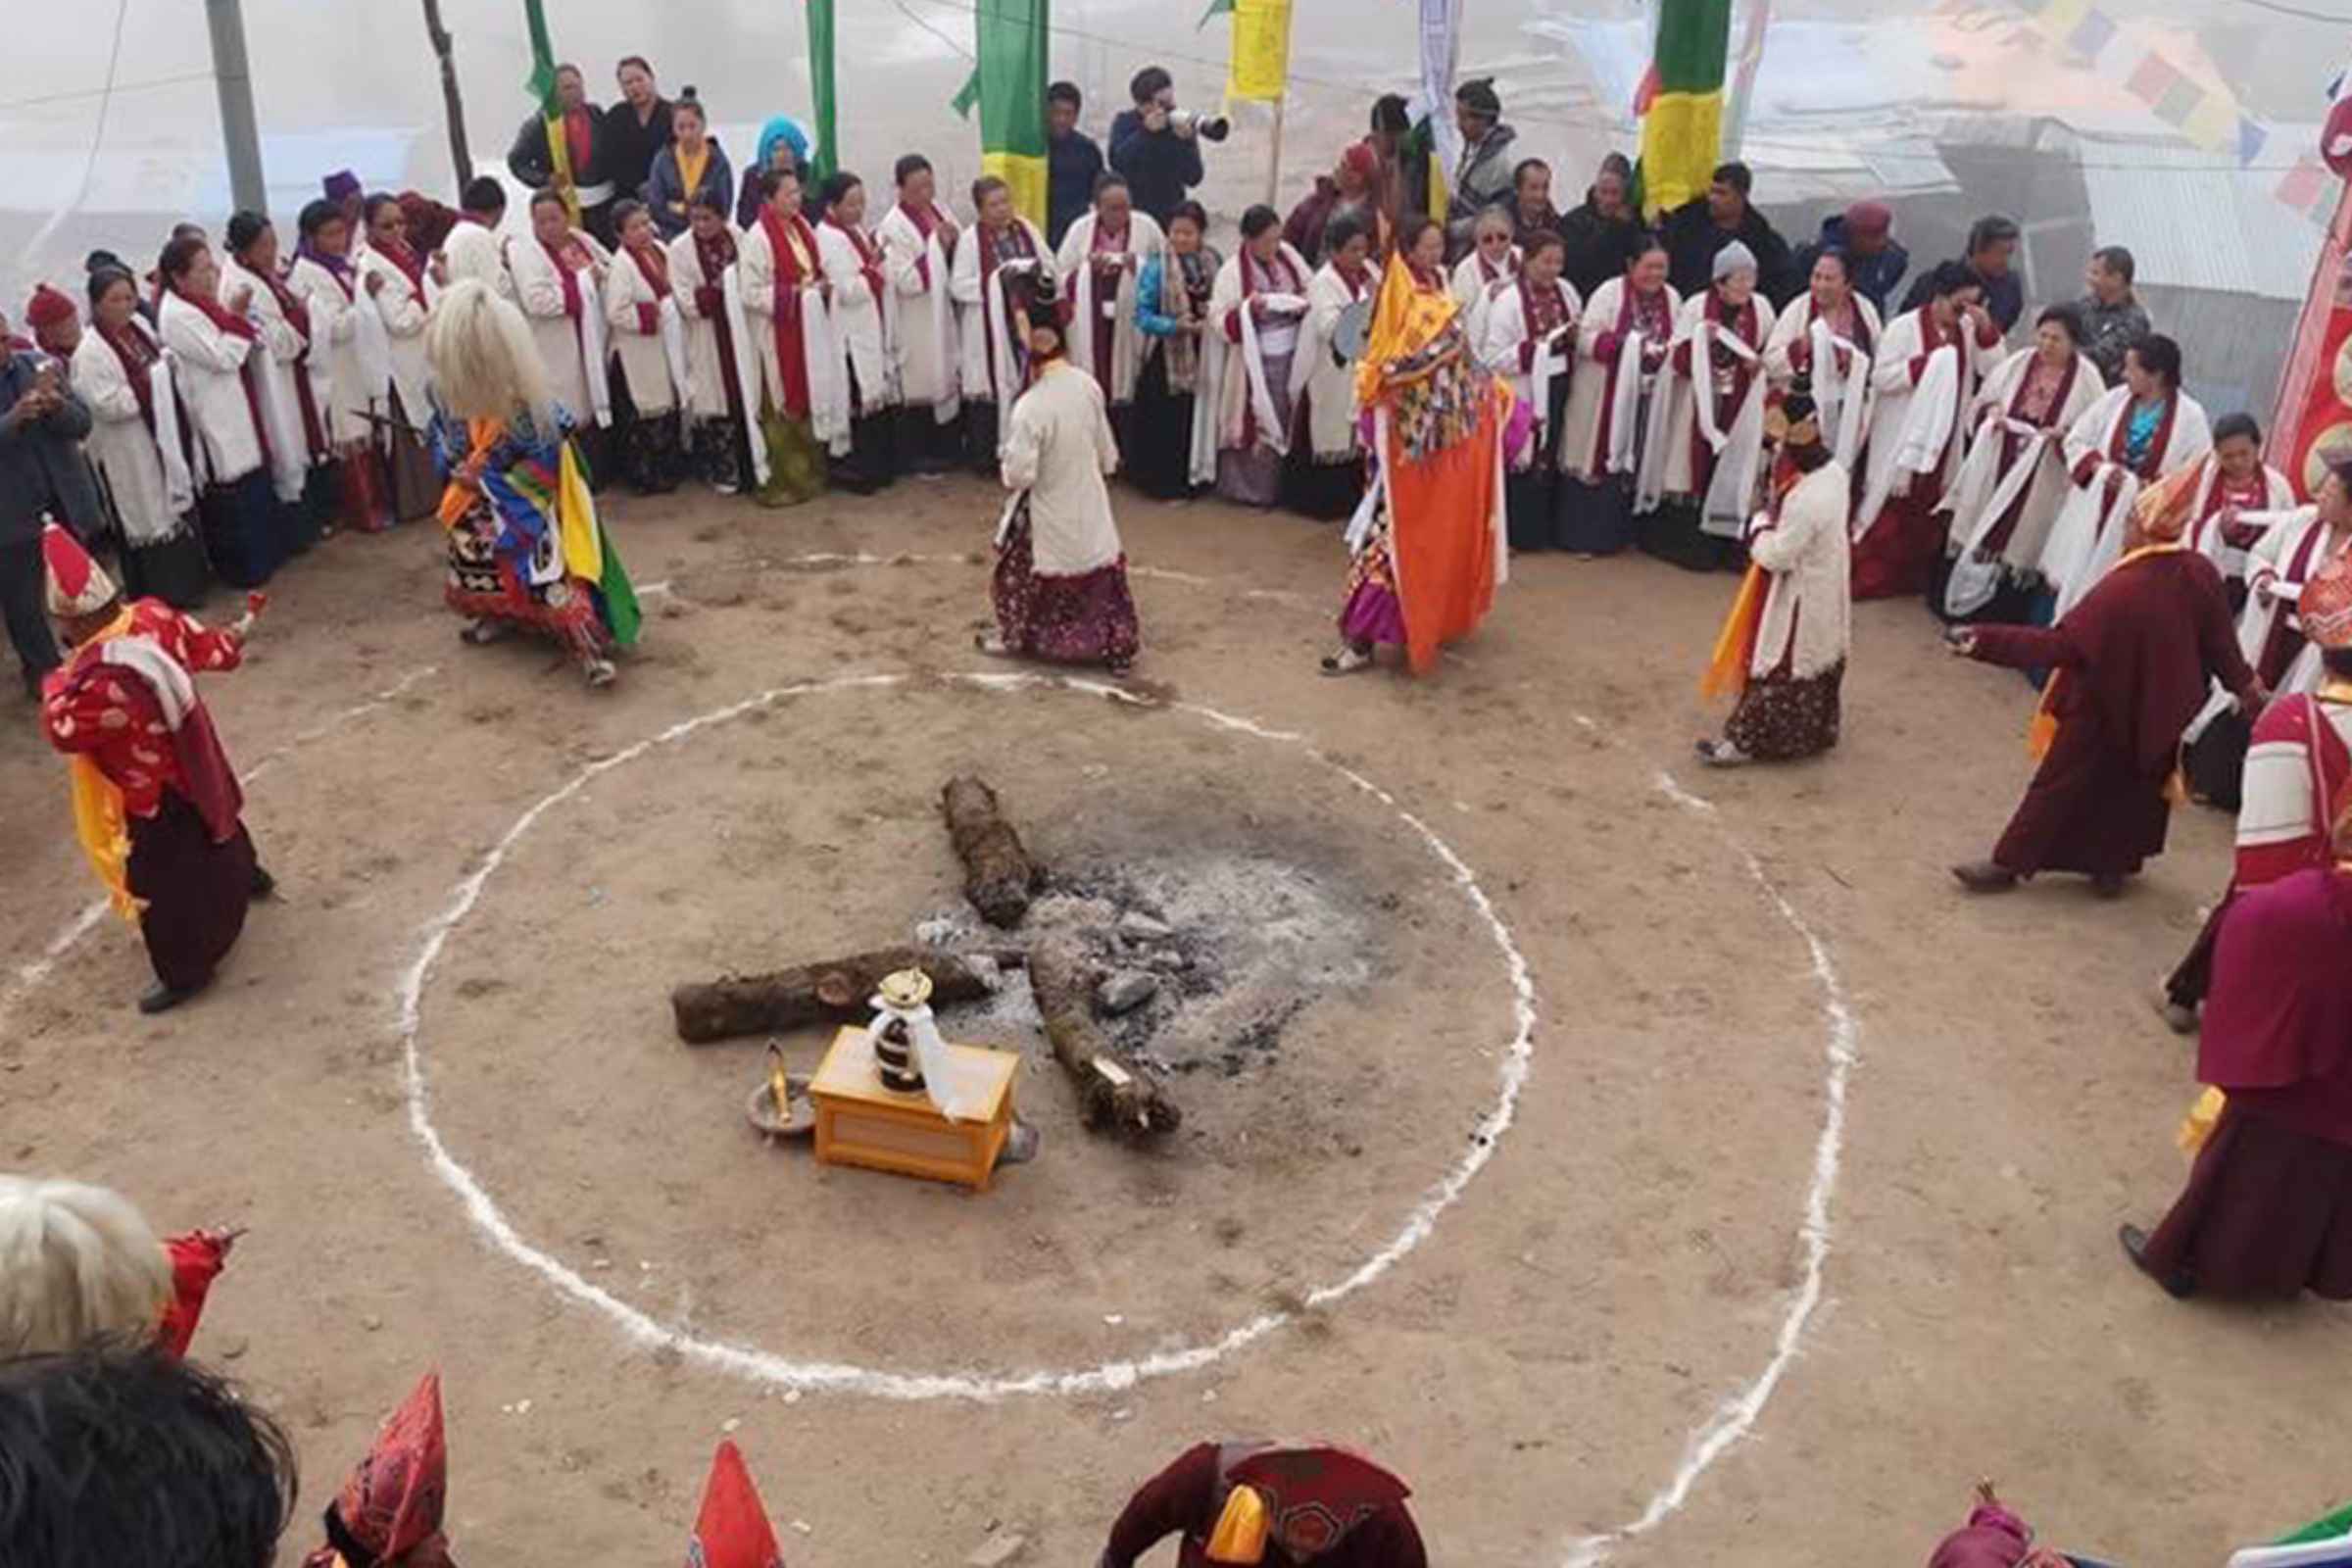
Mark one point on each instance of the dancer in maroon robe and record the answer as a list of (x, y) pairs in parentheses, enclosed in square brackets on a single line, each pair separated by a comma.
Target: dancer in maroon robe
[(2131, 666), (2267, 1210), (1255, 1503)]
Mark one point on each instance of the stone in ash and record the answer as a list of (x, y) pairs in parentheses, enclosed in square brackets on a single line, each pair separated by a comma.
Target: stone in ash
[(1126, 991)]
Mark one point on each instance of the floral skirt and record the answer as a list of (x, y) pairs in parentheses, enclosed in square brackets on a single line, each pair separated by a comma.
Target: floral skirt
[(715, 453), (1373, 614), (1782, 718), (1086, 619), (796, 464), (485, 586)]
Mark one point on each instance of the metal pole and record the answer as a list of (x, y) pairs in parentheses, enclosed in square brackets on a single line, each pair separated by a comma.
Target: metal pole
[(452, 106), (233, 78), (1274, 158)]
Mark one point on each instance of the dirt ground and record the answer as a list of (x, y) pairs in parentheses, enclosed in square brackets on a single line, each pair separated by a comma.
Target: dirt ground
[(1536, 1365)]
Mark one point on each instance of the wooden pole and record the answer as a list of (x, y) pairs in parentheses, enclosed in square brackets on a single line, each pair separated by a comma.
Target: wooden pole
[(1274, 158), (453, 106)]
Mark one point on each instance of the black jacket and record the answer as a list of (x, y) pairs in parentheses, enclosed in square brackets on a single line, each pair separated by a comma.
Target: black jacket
[(42, 470), (1596, 246), (1073, 162), (1160, 166), (1692, 239), (528, 162), (630, 148)]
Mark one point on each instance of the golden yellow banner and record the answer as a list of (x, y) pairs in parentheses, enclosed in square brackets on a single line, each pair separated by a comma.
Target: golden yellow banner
[(1262, 50)]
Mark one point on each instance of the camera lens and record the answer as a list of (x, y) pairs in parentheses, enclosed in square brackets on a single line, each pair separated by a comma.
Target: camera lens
[(1216, 128)]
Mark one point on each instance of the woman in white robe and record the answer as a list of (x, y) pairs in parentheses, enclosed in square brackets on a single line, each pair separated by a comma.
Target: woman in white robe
[(558, 272), (2014, 479), (1530, 339), (999, 247), (1491, 266), (1923, 380), (782, 278), (1101, 259), (918, 248), (1715, 399), (865, 335), (139, 445), (1325, 475), (2233, 481), (1256, 307), (648, 352), (1829, 334), (1612, 436), (351, 363), (394, 278), (215, 354), (2130, 438), (1796, 631), (722, 389), (291, 411), (1060, 583)]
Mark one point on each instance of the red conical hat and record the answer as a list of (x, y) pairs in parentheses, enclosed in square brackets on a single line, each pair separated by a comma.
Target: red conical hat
[(732, 1530), (1317, 1495), (391, 1506), (76, 584)]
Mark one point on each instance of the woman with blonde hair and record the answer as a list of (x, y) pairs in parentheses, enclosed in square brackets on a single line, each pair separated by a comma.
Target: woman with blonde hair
[(525, 547), (78, 1264)]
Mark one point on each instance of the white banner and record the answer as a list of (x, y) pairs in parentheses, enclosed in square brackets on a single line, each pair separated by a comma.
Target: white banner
[(1441, 46)]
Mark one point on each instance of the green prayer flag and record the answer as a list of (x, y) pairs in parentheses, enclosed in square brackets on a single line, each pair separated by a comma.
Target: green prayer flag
[(1011, 89), (824, 158)]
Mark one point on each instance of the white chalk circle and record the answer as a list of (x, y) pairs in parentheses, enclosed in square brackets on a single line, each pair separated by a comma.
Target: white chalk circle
[(782, 1371)]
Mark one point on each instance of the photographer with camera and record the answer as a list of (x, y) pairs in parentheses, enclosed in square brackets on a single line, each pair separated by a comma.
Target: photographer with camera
[(1157, 145)]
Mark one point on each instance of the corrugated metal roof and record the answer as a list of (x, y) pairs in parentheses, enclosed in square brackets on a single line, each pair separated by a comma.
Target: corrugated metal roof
[(2191, 221)]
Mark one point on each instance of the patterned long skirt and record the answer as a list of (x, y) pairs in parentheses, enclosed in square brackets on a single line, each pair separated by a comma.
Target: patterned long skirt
[(1373, 612), (796, 464), (716, 448), (1782, 718), (1086, 619), (652, 455), (485, 586)]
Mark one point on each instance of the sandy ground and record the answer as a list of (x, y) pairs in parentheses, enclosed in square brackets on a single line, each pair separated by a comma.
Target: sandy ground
[(1537, 1366)]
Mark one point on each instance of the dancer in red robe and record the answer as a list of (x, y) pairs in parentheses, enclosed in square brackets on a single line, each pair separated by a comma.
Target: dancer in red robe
[(2131, 666), (1255, 1503), (155, 802), (2299, 755), (2267, 1210)]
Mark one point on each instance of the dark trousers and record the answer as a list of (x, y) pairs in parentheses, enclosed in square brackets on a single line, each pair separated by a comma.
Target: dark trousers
[(23, 603)]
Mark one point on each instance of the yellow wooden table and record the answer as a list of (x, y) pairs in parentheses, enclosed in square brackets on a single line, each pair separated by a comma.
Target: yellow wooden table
[(859, 1122)]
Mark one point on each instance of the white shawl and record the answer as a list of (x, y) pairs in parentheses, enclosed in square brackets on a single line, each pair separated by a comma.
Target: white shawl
[(918, 267), (1229, 304), (1089, 314), (2088, 536)]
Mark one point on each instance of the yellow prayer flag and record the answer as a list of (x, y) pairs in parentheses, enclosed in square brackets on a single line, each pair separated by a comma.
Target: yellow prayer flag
[(1261, 67)]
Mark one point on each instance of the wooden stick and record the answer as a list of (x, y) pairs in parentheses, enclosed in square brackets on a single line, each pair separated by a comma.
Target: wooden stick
[(999, 875), (1114, 1093), (836, 991)]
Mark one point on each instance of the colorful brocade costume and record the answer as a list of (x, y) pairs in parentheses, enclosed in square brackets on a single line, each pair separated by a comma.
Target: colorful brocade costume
[(1427, 538), (156, 805), (525, 545)]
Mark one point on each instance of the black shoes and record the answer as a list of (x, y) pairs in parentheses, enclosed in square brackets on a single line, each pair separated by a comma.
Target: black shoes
[(2135, 1248)]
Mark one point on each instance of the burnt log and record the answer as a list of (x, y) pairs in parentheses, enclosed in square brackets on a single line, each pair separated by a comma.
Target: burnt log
[(998, 876), (836, 991), (1114, 1093)]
